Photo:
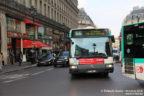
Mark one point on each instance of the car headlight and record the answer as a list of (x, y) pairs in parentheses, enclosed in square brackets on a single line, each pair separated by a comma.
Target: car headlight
[(109, 65), (73, 67)]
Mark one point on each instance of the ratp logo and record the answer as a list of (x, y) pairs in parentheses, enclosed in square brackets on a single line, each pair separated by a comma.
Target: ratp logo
[(139, 69)]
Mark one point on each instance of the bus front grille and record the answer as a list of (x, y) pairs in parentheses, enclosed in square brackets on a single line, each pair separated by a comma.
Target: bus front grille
[(129, 68)]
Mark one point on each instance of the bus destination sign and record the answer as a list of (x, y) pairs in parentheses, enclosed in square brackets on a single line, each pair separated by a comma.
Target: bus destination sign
[(87, 33)]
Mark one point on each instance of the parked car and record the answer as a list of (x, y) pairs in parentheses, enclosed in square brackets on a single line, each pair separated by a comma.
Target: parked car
[(62, 59), (116, 54), (47, 60)]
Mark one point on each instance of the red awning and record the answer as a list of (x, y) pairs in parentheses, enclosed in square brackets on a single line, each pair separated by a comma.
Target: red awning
[(30, 22), (30, 44)]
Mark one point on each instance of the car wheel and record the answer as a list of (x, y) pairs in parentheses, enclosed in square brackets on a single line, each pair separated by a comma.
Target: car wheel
[(73, 76), (55, 65), (38, 65), (106, 74)]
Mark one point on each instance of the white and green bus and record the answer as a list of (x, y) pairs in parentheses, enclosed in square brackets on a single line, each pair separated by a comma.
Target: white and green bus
[(132, 49), (91, 51)]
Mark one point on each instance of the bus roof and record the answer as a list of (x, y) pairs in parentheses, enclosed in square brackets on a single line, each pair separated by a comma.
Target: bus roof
[(133, 24)]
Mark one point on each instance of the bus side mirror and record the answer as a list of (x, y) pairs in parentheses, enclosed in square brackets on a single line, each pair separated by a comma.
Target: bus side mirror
[(112, 38)]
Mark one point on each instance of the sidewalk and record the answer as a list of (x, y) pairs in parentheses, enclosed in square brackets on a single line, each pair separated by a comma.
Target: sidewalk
[(11, 68)]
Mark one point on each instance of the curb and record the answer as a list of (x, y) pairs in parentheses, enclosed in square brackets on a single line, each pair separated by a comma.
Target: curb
[(26, 67)]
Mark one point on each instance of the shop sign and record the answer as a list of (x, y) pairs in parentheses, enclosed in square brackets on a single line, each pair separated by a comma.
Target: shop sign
[(41, 30), (56, 32), (14, 35), (48, 31), (25, 36), (9, 34), (19, 35)]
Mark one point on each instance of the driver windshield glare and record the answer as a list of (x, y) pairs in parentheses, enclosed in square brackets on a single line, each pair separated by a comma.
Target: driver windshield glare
[(90, 47)]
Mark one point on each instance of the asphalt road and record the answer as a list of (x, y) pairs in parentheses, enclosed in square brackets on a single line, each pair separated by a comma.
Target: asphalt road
[(49, 81)]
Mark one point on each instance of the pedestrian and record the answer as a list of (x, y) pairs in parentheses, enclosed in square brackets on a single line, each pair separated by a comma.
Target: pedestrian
[(20, 58), (2, 59), (1, 62), (12, 57)]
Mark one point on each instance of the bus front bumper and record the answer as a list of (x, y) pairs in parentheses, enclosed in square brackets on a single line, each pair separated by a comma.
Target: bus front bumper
[(92, 68)]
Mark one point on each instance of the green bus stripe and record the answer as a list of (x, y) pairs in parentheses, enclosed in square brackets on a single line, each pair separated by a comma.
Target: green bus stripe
[(122, 42), (136, 60)]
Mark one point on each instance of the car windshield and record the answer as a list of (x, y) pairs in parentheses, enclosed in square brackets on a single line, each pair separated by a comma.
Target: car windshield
[(47, 57), (64, 54), (90, 47)]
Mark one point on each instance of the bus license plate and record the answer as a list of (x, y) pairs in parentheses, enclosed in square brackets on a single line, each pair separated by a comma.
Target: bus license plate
[(91, 71)]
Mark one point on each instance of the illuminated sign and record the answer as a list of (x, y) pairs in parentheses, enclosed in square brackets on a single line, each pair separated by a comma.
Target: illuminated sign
[(84, 61), (90, 32)]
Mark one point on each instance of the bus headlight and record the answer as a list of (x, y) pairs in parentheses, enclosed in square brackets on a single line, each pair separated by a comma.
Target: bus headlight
[(73, 67), (109, 65)]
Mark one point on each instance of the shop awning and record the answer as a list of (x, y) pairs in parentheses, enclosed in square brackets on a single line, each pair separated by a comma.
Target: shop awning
[(30, 22), (30, 44)]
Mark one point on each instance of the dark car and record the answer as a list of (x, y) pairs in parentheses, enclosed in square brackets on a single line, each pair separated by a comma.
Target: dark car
[(62, 59), (47, 60)]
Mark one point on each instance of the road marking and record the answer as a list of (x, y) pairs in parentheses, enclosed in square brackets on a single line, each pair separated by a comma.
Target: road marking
[(23, 76), (42, 71), (49, 69), (9, 81), (37, 73)]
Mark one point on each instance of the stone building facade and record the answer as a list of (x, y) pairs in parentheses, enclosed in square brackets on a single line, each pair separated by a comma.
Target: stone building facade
[(136, 15), (84, 21), (25, 21)]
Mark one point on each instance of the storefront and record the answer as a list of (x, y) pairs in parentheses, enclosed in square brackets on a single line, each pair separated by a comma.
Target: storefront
[(56, 40), (13, 34)]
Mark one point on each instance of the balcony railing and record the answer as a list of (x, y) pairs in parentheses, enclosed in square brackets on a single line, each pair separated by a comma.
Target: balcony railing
[(21, 8)]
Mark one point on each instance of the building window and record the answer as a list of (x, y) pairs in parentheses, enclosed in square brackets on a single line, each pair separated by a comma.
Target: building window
[(13, 25), (35, 3), (55, 16), (23, 2), (45, 9), (51, 13), (16, 0), (48, 11), (30, 3), (41, 7)]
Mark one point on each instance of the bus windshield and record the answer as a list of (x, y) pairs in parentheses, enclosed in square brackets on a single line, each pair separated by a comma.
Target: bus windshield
[(90, 47)]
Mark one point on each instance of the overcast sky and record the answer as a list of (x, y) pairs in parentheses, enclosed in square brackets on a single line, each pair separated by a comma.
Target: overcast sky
[(109, 13)]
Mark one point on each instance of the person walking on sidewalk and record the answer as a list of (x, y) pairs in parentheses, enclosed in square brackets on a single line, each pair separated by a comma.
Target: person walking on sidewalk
[(2, 59), (12, 57), (20, 58), (1, 62)]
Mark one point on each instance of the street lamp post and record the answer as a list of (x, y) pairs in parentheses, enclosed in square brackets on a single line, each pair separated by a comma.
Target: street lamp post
[(94, 46), (33, 13)]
